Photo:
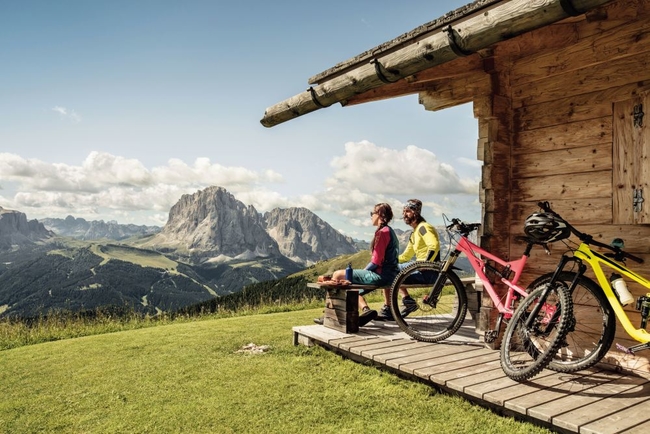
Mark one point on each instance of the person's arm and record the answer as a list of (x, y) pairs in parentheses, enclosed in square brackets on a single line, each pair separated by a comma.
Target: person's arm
[(383, 238), (408, 253), (430, 238)]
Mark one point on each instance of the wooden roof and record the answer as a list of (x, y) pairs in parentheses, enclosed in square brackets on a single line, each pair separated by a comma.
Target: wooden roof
[(457, 34)]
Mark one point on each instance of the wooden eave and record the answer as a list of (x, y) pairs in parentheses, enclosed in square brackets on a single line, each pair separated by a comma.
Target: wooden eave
[(405, 64)]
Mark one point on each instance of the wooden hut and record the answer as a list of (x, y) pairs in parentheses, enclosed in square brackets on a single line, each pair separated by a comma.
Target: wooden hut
[(559, 89)]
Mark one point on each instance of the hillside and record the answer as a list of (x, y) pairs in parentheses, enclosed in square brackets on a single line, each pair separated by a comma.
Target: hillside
[(196, 377)]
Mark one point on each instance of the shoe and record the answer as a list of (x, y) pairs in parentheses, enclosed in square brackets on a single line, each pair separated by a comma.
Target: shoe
[(410, 306), (320, 320), (367, 316), (385, 314)]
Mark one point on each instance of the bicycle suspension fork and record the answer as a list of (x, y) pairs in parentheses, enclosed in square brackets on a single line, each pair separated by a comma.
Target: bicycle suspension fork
[(436, 290), (553, 284)]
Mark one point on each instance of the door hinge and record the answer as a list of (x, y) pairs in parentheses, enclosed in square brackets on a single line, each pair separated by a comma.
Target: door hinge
[(637, 200), (638, 115)]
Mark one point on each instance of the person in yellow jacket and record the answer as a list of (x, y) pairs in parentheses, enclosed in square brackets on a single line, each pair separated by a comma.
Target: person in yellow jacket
[(423, 245)]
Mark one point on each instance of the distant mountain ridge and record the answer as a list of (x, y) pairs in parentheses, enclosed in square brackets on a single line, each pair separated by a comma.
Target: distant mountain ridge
[(96, 229)]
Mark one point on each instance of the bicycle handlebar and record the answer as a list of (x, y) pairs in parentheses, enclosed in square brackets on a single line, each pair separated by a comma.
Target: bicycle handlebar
[(462, 227), (588, 239)]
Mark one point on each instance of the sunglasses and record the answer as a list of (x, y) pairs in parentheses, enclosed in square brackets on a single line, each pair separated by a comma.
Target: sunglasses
[(372, 213)]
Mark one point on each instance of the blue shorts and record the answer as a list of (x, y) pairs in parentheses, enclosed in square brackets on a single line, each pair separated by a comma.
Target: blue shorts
[(367, 277), (424, 277)]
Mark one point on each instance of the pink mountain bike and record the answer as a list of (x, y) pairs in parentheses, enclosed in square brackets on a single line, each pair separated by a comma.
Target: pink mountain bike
[(539, 320)]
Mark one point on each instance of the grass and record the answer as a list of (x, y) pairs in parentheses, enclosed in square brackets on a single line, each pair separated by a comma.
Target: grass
[(189, 376)]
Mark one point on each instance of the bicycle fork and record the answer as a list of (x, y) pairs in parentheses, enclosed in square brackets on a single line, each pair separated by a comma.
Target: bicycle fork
[(436, 290), (552, 314)]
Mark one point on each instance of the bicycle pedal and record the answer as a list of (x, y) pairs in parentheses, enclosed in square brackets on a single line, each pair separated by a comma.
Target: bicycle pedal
[(490, 336)]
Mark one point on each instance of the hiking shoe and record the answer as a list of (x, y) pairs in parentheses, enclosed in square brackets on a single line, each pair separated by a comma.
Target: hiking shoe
[(320, 320), (385, 314), (410, 306), (367, 316)]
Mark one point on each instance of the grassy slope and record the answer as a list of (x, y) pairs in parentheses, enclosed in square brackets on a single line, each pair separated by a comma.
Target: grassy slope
[(189, 377)]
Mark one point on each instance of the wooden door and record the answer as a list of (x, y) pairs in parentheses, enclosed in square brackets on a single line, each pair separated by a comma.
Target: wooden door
[(631, 165)]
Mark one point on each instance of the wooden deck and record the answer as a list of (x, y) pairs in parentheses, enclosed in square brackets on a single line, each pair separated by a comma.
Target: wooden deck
[(593, 401)]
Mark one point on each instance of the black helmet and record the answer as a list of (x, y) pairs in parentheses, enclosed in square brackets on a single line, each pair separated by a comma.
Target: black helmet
[(545, 227)]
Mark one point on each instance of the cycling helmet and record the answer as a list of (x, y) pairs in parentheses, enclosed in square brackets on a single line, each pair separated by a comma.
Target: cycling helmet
[(545, 227)]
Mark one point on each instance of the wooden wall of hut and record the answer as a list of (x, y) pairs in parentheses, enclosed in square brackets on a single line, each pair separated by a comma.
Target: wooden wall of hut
[(557, 125)]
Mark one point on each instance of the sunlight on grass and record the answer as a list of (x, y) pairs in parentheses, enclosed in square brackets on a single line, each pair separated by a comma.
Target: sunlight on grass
[(190, 377)]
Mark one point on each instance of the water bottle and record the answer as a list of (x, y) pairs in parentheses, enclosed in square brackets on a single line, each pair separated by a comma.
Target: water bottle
[(348, 273), (621, 290)]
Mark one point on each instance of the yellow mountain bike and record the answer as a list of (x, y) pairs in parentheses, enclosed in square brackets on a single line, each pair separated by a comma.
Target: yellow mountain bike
[(595, 305)]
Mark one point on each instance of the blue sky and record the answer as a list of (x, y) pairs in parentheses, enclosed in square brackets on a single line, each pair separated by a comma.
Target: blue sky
[(113, 109)]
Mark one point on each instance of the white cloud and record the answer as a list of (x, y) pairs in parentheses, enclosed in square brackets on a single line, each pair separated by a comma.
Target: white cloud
[(388, 171), (109, 184), (67, 114), (110, 187)]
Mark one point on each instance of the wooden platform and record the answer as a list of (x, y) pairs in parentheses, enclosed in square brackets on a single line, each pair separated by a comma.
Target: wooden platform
[(593, 401)]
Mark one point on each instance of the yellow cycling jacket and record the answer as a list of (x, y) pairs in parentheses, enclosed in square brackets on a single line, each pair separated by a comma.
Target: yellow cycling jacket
[(423, 243)]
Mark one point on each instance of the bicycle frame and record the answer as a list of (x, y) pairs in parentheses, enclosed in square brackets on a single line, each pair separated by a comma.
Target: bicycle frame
[(595, 260), (476, 255)]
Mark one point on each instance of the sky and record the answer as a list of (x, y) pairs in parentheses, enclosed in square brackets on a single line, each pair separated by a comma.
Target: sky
[(112, 110)]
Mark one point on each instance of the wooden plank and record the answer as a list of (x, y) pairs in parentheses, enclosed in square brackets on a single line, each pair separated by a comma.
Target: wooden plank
[(594, 158), (592, 401), (611, 15), (565, 136), (592, 387), (404, 349), (578, 211), (642, 215), (432, 78), (624, 169), (626, 39), (617, 72), (569, 186), (602, 416), (470, 364), (589, 105), (452, 92), (546, 39)]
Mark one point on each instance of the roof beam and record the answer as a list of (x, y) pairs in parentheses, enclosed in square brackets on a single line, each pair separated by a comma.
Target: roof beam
[(464, 36)]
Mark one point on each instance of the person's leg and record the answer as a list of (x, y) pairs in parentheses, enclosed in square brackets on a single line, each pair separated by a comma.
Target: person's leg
[(363, 304), (365, 277)]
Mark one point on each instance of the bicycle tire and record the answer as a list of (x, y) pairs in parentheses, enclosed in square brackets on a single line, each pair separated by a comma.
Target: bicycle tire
[(525, 351), (428, 323), (593, 329)]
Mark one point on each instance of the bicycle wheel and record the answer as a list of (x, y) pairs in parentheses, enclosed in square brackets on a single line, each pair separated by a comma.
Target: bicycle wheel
[(526, 350), (436, 320), (592, 330)]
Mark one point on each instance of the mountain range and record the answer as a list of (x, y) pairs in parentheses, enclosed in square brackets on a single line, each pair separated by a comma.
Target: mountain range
[(211, 245)]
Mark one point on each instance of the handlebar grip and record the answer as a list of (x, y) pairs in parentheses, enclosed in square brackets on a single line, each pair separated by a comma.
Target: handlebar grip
[(545, 206), (634, 258)]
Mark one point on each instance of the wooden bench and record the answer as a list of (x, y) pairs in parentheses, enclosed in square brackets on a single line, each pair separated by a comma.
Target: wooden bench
[(342, 303)]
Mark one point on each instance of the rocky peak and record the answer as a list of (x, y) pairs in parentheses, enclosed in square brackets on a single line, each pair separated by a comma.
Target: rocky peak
[(213, 224), (305, 238), (16, 230)]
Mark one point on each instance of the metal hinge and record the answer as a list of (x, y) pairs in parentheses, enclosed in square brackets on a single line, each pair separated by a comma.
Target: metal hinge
[(638, 115), (637, 200)]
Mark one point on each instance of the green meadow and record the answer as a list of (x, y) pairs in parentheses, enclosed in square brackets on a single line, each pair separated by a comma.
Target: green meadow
[(193, 375)]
